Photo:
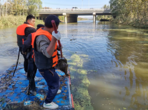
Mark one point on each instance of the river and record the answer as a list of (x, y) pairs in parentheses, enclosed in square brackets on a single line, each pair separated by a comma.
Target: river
[(108, 64)]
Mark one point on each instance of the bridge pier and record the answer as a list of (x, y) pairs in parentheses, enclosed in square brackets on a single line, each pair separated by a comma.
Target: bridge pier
[(65, 18), (94, 17), (70, 18)]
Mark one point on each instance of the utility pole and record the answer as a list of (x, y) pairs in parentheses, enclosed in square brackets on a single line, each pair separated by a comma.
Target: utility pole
[(3, 9), (0, 9), (6, 7), (82, 3), (88, 4)]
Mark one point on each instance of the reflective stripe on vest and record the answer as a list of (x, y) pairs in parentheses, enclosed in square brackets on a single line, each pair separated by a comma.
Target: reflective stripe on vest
[(49, 36), (20, 31)]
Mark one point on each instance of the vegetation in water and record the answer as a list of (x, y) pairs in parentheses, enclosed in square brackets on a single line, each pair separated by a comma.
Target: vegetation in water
[(130, 12), (80, 84)]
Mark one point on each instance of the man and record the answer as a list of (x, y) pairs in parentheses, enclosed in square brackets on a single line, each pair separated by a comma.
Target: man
[(22, 32), (27, 48), (46, 58)]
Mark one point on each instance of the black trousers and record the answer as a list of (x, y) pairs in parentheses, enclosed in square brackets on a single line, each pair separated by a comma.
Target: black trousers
[(30, 68), (52, 80), (31, 74), (25, 60)]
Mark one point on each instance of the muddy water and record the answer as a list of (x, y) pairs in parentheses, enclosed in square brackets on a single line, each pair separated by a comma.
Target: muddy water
[(108, 64)]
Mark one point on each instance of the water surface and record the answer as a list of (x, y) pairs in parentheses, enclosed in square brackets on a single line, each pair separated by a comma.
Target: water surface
[(108, 64)]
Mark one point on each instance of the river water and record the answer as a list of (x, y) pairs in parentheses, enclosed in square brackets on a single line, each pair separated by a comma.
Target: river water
[(108, 64)]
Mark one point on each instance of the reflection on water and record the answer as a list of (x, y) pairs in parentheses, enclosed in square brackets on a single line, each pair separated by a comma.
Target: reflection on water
[(108, 64)]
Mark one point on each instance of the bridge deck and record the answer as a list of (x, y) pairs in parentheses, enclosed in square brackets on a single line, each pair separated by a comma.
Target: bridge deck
[(75, 11)]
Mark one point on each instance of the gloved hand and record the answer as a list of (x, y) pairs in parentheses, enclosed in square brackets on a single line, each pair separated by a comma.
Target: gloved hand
[(56, 35)]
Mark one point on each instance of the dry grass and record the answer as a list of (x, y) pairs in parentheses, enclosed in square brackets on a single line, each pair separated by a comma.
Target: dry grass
[(13, 21)]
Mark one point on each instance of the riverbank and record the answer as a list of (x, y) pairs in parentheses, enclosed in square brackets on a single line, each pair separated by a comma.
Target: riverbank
[(13, 21), (130, 13), (134, 23)]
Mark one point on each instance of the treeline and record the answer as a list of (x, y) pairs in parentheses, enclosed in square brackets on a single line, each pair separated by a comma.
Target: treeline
[(107, 17), (131, 12), (20, 7)]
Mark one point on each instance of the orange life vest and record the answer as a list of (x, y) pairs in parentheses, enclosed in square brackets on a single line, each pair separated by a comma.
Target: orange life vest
[(20, 31), (32, 37), (54, 57)]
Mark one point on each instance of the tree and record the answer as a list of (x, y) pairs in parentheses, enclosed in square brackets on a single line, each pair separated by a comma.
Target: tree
[(20, 7), (133, 12), (33, 6)]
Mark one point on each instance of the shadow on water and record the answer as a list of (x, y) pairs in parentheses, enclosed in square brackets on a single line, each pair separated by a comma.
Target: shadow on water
[(108, 64)]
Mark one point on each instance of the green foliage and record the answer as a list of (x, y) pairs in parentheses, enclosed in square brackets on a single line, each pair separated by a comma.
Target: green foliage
[(61, 18), (33, 6), (108, 17), (133, 12), (20, 7)]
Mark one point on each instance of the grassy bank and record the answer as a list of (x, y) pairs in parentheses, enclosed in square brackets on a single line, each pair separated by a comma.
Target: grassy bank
[(13, 21)]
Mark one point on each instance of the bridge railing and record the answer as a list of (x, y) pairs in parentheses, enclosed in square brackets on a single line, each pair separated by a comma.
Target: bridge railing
[(44, 10)]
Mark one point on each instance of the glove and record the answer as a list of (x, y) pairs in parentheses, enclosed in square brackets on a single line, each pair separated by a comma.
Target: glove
[(56, 35)]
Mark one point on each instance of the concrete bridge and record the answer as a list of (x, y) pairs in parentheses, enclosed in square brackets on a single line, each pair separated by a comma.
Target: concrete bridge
[(70, 15)]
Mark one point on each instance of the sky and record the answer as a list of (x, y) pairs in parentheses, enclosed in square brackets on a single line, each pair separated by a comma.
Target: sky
[(83, 4)]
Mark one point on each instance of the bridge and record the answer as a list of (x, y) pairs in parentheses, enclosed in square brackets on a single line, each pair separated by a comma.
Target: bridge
[(70, 15)]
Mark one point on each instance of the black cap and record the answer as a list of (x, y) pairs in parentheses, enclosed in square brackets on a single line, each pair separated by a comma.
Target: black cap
[(39, 26), (49, 19)]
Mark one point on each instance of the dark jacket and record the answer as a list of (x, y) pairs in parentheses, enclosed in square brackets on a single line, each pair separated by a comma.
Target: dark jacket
[(29, 30), (27, 44)]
